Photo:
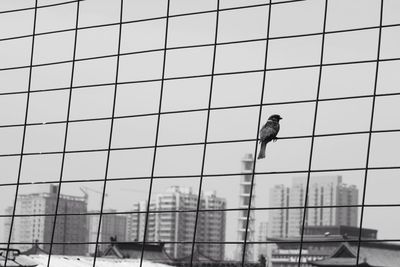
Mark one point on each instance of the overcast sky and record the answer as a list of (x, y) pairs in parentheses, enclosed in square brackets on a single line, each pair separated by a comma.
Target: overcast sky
[(336, 116)]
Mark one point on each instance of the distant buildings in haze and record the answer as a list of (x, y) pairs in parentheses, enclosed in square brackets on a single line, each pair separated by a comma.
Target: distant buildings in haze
[(246, 221), (325, 222), (262, 235), (172, 216), (169, 220), (32, 229), (112, 225), (323, 191)]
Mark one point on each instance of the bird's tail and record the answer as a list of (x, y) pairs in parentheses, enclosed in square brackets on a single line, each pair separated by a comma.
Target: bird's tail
[(261, 155)]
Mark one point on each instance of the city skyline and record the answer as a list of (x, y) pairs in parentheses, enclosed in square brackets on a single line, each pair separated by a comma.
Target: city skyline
[(210, 184), (120, 226), (137, 212)]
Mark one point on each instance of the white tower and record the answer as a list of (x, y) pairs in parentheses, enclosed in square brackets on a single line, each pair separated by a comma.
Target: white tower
[(244, 195)]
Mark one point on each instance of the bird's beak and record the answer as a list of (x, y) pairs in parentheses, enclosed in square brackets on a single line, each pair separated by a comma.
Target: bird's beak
[(280, 118)]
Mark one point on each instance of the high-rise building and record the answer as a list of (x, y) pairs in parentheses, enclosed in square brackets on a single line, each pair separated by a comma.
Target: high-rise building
[(244, 201), (323, 191), (170, 224), (112, 225), (176, 226), (211, 226), (279, 218), (31, 229), (262, 248), (136, 222)]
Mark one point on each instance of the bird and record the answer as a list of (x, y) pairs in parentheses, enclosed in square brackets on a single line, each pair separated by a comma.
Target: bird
[(268, 133)]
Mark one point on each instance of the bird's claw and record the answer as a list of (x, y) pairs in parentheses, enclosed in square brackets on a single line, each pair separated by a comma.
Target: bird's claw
[(275, 139)]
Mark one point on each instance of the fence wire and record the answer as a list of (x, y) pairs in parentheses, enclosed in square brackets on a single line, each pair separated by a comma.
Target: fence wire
[(247, 243)]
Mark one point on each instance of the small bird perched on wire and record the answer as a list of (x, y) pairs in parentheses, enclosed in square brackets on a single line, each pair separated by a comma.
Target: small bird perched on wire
[(268, 133)]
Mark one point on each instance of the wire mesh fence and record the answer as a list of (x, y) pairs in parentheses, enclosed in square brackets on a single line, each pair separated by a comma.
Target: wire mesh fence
[(139, 121)]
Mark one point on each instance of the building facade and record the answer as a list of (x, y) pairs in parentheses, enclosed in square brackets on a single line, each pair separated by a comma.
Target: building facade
[(112, 225), (262, 235), (32, 229), (323, 191), (246, 221), (279, 218), (170, 221), (135, 222), (319, 243)]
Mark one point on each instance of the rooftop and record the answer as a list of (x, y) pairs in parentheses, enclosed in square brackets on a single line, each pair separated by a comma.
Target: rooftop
[(71, 261), (371, 254), (133, 250)]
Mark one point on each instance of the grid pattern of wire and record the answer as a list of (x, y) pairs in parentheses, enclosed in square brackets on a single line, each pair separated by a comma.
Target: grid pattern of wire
[(218, 67)]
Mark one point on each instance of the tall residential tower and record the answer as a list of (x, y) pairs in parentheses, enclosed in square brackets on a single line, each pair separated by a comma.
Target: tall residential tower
[(244, 201), (69, 228), (323, 191), (170, 224)]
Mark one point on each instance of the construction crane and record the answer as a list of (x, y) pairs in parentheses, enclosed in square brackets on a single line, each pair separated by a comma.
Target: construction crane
[(84, 190)]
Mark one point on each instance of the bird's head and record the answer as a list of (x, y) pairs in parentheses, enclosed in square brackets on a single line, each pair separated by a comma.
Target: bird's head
[(275, 117)]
